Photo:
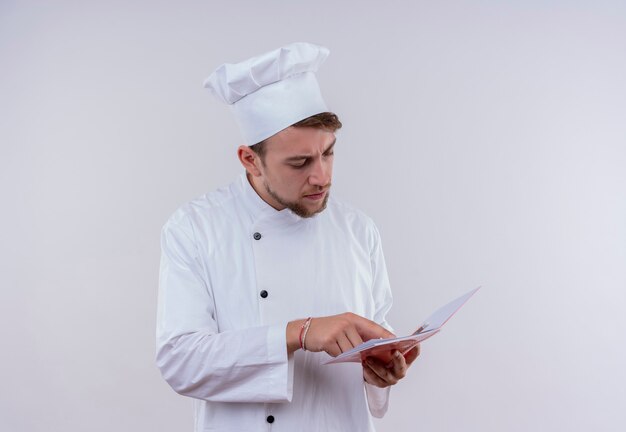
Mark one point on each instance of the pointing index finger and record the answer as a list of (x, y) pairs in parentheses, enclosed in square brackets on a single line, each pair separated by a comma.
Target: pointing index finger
[(370, 330)]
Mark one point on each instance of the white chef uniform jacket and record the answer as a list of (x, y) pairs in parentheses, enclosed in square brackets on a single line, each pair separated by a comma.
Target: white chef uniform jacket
[(223, 343)]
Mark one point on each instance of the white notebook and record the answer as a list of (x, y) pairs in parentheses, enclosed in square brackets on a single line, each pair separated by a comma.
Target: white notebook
[(382, 348)]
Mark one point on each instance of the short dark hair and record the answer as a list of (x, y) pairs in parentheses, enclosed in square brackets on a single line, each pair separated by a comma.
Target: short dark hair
[(327, 121)]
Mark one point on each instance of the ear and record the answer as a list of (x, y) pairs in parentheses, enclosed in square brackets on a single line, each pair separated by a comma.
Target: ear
[(249, 159)]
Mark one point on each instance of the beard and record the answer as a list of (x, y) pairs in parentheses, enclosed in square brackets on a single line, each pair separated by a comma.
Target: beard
[(296, 207)]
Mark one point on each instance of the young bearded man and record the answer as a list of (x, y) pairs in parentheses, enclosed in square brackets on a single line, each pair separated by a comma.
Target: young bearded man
[(262, 280)]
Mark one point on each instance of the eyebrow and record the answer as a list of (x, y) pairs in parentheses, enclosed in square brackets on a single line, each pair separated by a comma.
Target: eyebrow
[(299, 157)]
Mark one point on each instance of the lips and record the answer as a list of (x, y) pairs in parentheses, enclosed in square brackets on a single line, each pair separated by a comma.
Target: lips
[(317, 195)]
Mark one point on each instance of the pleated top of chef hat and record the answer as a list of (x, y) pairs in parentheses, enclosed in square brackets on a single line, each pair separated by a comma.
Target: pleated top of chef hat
[(272, 91)]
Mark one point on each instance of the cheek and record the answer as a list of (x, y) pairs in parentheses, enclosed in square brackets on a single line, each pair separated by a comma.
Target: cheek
[(298, 183), (289, 182)]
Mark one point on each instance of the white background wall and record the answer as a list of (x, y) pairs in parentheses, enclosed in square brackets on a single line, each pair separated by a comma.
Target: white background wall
[(486, 139)]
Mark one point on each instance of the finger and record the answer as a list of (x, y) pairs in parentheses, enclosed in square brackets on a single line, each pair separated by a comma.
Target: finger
[(370, 330), (333, 349), (373, 379), (412, 355), (344, 343), (353, 337), (398, 365), (379, 369)]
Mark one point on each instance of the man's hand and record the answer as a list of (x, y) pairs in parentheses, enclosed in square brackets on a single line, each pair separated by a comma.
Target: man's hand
[(385, 375), (335, 334)]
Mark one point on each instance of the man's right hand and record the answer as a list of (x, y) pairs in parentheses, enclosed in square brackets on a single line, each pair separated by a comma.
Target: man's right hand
[(335, 334)]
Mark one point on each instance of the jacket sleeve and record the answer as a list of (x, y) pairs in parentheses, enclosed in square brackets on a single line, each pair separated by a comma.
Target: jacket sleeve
[(248, 365), (378, 398)]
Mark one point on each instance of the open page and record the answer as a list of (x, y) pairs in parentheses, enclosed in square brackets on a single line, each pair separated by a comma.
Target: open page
[(383, 348)]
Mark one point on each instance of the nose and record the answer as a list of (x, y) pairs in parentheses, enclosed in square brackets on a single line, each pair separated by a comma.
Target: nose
[(320, 173)]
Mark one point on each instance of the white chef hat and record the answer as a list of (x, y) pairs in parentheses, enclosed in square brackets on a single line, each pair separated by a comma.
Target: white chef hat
[(272, 91)]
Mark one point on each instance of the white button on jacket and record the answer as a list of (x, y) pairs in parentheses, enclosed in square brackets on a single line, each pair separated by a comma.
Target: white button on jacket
[(223, 343)]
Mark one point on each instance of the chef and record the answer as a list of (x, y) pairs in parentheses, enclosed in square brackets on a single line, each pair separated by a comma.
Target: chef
[(263, 280)]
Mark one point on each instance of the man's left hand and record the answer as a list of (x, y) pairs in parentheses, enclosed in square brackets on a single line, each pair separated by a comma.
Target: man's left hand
[(383, 375)]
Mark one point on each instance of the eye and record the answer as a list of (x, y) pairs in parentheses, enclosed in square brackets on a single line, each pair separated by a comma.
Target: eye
[(299, 165)]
